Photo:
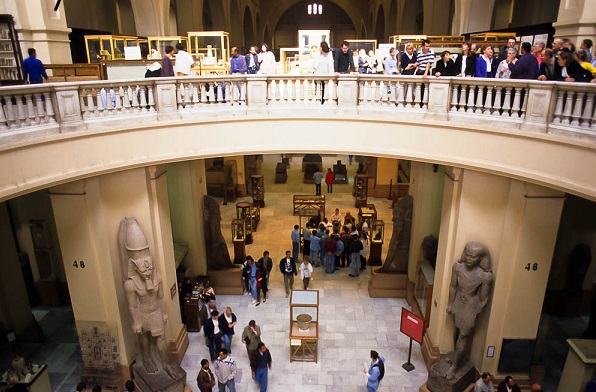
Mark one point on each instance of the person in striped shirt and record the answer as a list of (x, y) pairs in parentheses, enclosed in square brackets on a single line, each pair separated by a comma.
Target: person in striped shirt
[(425, 58)]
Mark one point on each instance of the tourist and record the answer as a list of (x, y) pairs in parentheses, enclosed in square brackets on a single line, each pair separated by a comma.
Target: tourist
[(260, 364), (318, 177), (390, 63), (484, 384), (167, 68), (503, 71), (362, 62), (511, 41), (330, 249), (549, 67), (295, 242), (425, 58), (355, 248), (571, 71), (237, 63), (251, 337), (287, 266), (252, 61), (33, 68), (339, 251), (213, 334), (465, 62), (581, 57), (408, 61), (251, 271), (208, 293), (376, 371), (306, 272), (445, 66), (537, 50), (527, 65), (364, 251), (484, 63), (587, 46), (261, 283), (267, 262), (557, 46), (329, 180), (343, 61), (205, 379), (184, 61), (266, 61), (224, 368), (508, 385), (246, 276), (315, 248), (226, 324)]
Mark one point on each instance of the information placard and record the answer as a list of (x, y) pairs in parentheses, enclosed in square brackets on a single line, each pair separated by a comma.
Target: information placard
[(411, 325)]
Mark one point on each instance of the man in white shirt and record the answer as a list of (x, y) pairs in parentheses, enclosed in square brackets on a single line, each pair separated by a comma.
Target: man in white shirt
[(484, 384), (184, 61), (224, 368), (306, 272)]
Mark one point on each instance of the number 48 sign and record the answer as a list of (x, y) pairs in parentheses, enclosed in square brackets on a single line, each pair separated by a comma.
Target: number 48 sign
[(531, 267), (78, 264)]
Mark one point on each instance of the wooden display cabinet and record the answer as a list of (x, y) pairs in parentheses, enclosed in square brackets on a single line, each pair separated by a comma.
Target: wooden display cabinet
[(423, 291), (360, 190), (309, 206), (11, 57), (341, 173), (304, 325), (212, 51), (255, 212), (368, 212), (258, 189), (377, 235), (108, 47), (244, 213), (238, 239)]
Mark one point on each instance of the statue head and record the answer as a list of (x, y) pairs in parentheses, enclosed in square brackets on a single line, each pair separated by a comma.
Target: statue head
[(135, 244), (476, 254)]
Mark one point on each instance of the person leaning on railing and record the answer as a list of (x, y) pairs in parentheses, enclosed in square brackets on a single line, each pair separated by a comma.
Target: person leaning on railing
[(409, 60), (503, 71), (571, 70), (549, 67), (445, 66), (465, 62)]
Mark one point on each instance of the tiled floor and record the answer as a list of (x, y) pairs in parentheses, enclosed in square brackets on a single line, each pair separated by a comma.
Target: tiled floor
[(351, 323)]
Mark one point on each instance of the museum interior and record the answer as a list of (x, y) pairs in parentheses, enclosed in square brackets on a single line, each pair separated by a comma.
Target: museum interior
[(478, 196)]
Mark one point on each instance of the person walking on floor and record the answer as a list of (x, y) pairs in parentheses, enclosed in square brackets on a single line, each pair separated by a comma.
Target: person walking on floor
[(205, 379), (318, 177), (268, 263), (287, 266), (355, 248), (224, 368), (295, 242), (260, 363), (251, 337), (329, 180), (306, 272), (261, 283), (213, 334), (376, 371), (227, 321)]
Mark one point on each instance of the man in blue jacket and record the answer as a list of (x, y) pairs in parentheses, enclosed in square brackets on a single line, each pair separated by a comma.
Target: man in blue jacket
[(376, 371), (33, 68), (527, 65)]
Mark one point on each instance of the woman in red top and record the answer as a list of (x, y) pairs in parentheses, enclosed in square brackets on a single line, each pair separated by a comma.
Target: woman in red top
[(329, 180)]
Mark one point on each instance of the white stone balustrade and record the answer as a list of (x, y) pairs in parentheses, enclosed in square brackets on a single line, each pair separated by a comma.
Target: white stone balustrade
[(566, 109)]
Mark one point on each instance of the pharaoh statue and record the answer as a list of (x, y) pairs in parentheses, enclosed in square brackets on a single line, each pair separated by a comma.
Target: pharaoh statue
[(144, 292), (218, 257), (399, 246), (470, 286)]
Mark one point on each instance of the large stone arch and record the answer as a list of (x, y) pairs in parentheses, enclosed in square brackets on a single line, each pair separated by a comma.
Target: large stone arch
[(248, 28)]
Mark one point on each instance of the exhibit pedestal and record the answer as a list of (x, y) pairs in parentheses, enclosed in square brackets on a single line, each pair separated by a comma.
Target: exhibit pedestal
[(387, 285), (227, 282), (376, 250), (159, 381), (463, 380)]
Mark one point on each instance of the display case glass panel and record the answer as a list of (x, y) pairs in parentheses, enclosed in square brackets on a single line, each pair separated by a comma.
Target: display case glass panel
[(108, 47), (424, 288), (211, 47), (361, 190), (244, 213), (309, 40), (368, 212), (366, 44), (237, 230), (159, 44), (377, 231), (304, 325)]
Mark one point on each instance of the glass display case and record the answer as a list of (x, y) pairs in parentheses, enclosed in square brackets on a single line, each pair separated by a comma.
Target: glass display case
[(423, 290), (308, 47), (368, 212), (309, 206), (255, 212), (11, 57), (258, 189), (211, 49), (361, 190), (160, 43), (304, 325), (108, 47), (376, 228), (244, 213), (366, 44), (238, 239), (289, 59)]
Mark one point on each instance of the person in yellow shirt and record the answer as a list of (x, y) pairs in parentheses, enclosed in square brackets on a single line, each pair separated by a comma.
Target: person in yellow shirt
[(581, 57)]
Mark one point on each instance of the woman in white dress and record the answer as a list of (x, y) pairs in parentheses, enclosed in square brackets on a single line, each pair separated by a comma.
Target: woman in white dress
[(266, 61), (323, 65)]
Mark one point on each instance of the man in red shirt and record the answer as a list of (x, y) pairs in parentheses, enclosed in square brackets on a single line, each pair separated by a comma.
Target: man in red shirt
[(329, 180)]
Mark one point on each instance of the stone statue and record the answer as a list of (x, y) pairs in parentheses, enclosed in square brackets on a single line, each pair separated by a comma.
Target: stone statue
[(218, 257), (399, 246), (471, 281), (144, 292)]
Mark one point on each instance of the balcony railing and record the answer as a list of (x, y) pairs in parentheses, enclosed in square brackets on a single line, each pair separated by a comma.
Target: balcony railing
[(31, 112)]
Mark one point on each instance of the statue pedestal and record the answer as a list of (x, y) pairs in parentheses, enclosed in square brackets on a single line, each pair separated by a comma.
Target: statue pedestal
[(388, 285), (158, 382), (461, 382), (227, 282)]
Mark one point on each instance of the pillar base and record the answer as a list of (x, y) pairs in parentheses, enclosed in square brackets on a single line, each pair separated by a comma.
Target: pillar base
[(227, 282), (461, 382), (387, 285), (430, 352), (179, 345), (158, 382)]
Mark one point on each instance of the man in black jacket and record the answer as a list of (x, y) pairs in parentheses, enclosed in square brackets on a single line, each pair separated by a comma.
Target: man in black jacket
[(287, 266), (213, 334), (355, 247), (343, 59), (527, 65), (549, 68)]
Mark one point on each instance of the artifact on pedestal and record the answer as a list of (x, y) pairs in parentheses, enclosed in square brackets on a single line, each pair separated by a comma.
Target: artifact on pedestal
[(154, 370), (399, 246), (469, 290), (218, 257)]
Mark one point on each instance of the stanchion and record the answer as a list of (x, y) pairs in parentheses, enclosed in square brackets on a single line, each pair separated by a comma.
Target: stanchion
[(408, 365)]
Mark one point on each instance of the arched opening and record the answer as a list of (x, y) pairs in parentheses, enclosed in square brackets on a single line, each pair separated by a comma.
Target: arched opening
[(266, 37), (235, 27), (258, 28), (412, 18), (213, 15), (393, 18), (173, 22), (248, 28), (380, 26), (296, 18), (125, 17)]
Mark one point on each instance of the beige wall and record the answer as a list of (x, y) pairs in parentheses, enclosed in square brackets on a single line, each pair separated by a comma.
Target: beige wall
[(576, 20), (92, 14)]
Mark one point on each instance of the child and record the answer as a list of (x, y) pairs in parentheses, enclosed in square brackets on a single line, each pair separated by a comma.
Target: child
[(306, 272)]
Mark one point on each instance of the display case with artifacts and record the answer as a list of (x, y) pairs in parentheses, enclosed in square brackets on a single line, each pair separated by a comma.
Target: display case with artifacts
[(304, 325), (289, 59), (423, 290), (360, 190), (377, 235), (244, 213), (11, 57), (368, 212), (255, 211), (281, 173), (341, 173), (238, 239), (26, 376), (159, 45), (366, 44), (309, 206), (258, 189), (108, 47), (212, 51)]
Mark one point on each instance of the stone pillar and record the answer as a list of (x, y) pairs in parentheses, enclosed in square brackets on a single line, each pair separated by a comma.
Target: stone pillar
[(576, 20), (42, 28), (471, 16), (88, 215), (186, 188), (152, 17)]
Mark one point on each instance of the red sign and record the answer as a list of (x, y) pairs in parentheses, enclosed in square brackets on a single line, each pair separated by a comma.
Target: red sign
[(411, 325)]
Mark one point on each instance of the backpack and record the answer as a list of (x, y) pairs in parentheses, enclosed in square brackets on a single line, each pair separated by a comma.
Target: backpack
[(381, 367)]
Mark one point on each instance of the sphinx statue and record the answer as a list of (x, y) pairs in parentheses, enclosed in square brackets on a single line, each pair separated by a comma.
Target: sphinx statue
[(399, 246), (143, 285), (218, 257)]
